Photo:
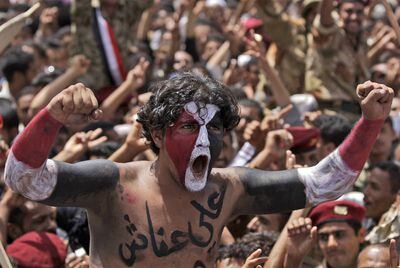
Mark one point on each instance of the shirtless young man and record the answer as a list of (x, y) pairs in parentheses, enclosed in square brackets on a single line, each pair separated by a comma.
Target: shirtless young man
[(171, 212)]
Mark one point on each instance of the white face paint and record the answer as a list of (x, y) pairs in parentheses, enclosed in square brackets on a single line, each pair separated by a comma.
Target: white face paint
[(194, 181)]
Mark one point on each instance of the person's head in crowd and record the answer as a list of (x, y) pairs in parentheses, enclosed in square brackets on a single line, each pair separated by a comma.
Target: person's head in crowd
[(268, 222), (376, 255), (18, 69), (339, 231), (38, 249), (103, 150), (309, 10), (381, 187), (10, 121), (382, 149), (183, 61), (215, 10), (238, 92), (58, 46), (190, 100), (40, 59), (249, 71), (31, 216), (23, 101), (229, 150), (305, 140), (202, 30), (249, 110), (351, 13), (212, 45), (235, 255), (333, 129)]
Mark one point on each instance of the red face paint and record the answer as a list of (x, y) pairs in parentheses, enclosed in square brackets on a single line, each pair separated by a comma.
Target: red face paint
[(180, 140)]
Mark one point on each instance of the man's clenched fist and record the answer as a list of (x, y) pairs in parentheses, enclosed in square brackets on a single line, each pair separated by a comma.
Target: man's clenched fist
[(75, 105), (376, 100)]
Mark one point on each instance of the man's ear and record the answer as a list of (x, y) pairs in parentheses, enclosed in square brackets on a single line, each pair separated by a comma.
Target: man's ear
[(361, 234), (157, 136)]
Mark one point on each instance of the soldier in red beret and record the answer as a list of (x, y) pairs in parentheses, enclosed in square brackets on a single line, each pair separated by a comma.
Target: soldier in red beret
[(339, 232)]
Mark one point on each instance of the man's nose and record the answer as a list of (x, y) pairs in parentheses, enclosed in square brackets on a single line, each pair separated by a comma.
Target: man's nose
[(203, 137), (253, 224), (332, 241)]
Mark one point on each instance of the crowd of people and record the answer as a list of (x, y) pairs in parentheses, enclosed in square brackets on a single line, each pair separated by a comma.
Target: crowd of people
[(293, 68)]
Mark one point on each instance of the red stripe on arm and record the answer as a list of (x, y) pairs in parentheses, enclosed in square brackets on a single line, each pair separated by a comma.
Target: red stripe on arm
[(33, 145), (356, 147)]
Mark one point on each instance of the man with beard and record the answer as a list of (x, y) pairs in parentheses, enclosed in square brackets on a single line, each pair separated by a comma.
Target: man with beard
[(151, 214)]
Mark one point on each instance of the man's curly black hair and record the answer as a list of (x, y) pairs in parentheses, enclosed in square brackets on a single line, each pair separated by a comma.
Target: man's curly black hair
[(170, 96)]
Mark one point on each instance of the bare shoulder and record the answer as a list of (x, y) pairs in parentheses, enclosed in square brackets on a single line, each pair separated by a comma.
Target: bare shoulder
[(130, 172)]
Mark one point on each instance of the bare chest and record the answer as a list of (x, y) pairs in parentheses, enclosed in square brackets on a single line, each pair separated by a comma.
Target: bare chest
[(155, 231)]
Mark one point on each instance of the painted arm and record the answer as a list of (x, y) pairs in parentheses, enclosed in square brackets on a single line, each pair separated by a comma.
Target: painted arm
[(29, 172), (270, 192)]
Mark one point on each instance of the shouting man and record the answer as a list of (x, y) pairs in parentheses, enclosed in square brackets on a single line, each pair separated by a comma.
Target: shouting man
[(171, 212)]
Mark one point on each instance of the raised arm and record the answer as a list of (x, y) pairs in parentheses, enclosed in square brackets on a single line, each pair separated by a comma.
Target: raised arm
[(29, 172), (269, 192)]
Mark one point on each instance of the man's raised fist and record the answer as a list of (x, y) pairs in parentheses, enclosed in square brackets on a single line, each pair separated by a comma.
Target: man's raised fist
[(376, 100), (75, 105)]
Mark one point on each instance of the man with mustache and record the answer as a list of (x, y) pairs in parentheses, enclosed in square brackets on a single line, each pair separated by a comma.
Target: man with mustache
[(339, 232), (172, 211)]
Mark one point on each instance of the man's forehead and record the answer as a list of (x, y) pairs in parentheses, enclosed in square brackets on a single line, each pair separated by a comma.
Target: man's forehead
[(202, 113)]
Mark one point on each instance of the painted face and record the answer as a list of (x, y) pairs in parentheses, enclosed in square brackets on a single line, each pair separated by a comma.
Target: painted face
[(194, 143)]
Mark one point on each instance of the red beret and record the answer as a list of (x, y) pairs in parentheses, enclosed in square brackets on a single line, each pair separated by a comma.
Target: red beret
[(337, 211), (304, 139), (252, 23), (37, 249)]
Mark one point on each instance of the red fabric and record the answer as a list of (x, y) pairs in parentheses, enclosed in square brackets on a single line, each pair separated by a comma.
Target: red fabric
[(1, 121), (33, 145), (252, 23), (337, 211), (304, 139), (356, 147), (36, 249), (116, 51)]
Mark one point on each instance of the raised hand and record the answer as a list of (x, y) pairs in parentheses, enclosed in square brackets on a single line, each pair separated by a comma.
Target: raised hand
[(254, 260), (301, 238), (81, 141), (80, 64), (136, 77), (376, 100), (75, 105), (134, 140)]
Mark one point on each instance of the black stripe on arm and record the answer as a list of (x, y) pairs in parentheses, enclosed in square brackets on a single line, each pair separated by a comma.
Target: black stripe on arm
[(270, 191), (81, 184)]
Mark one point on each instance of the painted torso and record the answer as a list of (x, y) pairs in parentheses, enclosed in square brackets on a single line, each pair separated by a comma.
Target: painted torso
[(144, 224)]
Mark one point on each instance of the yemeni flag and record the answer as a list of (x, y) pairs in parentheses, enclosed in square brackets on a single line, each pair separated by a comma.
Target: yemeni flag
[(109, 47)]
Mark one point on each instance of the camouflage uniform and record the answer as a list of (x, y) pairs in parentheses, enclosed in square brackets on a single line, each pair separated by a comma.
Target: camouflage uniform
[(333, 66), (290, 38), (84, 42), (388, 227)]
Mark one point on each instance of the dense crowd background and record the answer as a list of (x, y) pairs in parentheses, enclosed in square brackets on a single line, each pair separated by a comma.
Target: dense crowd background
[(293, 67)]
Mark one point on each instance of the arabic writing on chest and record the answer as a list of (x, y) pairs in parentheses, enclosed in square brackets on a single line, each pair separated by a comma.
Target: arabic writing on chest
[(179, 239)]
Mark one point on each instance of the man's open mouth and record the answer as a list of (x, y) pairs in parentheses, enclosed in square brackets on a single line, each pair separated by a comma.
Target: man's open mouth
[(199, 166)]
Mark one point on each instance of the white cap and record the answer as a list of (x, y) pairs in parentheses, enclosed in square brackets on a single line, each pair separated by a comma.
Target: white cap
[(213, 3)]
